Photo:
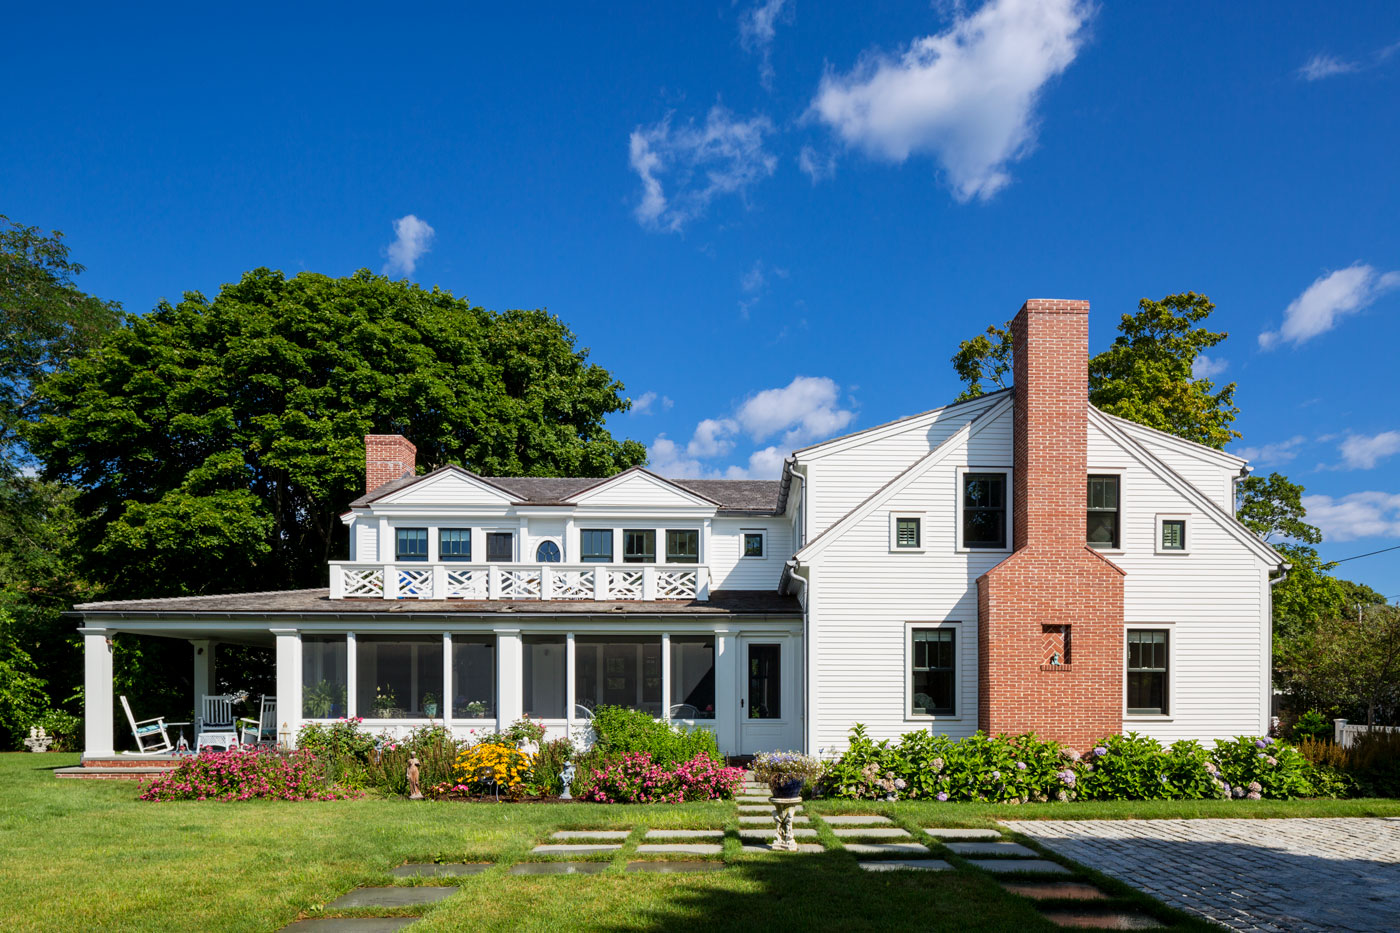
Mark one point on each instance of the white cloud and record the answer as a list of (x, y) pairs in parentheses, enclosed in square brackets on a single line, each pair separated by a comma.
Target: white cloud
[(1363, 452), (805, 409), (724, 156), (1325, 66), (665, 458), (816, 166), (413, 237), (1206, 367), (965, 96), (1271, 454), (648, 403), (1331, 297), (1358, 515), (763, 464), (713, 437), (753, 284), (757, 27)]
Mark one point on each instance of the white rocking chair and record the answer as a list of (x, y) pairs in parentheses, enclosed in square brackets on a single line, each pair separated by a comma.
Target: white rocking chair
[(216, 725), (151, 737), (263, 730)]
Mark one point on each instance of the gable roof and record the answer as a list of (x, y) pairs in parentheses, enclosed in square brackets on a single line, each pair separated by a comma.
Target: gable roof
[(890, 427), (728, 495)]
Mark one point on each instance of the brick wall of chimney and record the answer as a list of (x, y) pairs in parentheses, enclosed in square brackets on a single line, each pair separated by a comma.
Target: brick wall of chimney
[(388, 457), (1053, 579)]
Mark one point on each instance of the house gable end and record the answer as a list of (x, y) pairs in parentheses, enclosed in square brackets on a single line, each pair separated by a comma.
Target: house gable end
[(450, 485), (638, 487)]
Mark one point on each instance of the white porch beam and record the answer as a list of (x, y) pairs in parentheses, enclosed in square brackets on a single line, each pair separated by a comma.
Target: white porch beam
[(288, 683), (97, 694)]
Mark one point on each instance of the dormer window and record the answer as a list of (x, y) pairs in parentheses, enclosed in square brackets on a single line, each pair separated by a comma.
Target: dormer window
[(410, 544), (455, 544)]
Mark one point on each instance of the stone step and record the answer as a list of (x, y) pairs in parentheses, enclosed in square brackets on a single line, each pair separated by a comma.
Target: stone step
[(439, 870), (885, 848), (95, 773), (1054, 890), (573, 849), (941, 832), (854, 819), (984, 849), (392, 897), (674, 867), (685, 834), (871, 832), (906, 864), (680, 848), (591, 834), (348, 925), (773, 833), (559, 868), (756, 808), (802, 847), (767, 820), (1002, 866), (1098, 921)]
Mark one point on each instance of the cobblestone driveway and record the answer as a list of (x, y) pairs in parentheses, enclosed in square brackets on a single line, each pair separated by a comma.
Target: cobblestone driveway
[(1299, 874)]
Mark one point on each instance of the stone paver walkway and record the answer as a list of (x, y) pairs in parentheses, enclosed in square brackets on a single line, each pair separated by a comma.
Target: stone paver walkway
[(1283, 874)]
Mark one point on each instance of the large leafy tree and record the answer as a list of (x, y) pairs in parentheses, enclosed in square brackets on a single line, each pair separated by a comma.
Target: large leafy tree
[(1349, 664), (216, 441), (1146, 375)]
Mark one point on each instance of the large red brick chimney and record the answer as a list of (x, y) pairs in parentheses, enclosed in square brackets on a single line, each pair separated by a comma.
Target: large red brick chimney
[(1050, 616), (388, 457)]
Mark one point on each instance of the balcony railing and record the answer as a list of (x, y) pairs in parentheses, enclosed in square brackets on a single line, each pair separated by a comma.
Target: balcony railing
[(376, 580)]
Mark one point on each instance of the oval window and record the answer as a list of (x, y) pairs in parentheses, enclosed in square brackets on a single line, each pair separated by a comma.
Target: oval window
[(547, 553)]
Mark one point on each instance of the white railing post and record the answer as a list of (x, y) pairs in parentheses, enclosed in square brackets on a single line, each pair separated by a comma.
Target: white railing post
[(546, 582), (439, 590), (493, 581), (337, 582), (391, 581), (600, 586), (1339, 731), (702, 583), (649, 583)]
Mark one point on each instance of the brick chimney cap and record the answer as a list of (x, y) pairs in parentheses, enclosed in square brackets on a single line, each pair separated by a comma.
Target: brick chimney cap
[(393, 438), (1057, 305)]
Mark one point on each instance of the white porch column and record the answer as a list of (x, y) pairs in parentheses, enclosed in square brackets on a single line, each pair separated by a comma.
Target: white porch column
[(448, 686), (510, 702), (569, 694), (203, 669), (97, 694), (727, 710), (666, 676), (352, 683), (288, 683)]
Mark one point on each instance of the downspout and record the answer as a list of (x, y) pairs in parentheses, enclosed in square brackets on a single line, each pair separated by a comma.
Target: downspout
[(791, 573), (1235, 488)]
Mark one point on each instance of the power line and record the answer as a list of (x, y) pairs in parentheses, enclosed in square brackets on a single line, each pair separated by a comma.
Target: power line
[(1367, 554)]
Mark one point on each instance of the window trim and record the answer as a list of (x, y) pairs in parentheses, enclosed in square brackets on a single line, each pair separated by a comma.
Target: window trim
[(763, 537), (642, 531), (960, 547), (664, 552), (1121, 473), (537, 543), (920, 517), (486, 534), (1170, 629), (610, 533), (1185, 518), (958, 665), (427, 544), (436, 541)]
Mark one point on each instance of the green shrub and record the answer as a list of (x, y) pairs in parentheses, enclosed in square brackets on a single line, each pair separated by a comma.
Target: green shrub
[(1311, 725), (387, 768), (1134, 767), (1256, 768), (1369, 768), (620, 731), (65, 729), (336, 740)]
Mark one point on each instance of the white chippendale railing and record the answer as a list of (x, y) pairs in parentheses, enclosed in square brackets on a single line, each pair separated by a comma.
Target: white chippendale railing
[(374, 580)]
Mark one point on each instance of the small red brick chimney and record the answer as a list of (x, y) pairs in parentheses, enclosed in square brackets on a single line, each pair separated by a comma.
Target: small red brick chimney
[(1054, 598), (388, 457)]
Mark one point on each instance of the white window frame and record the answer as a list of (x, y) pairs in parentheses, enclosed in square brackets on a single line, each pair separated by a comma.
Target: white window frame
[(515, 532), (435, 542), (894, 532), (1186, 518), (1122, 474), (958, 665), (762, 533), (1170, 629), (552, 539), (958, 510)]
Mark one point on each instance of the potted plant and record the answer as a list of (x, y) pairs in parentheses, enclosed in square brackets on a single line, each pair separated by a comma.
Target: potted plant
[(384, 702), (430, 704), (786, 772)]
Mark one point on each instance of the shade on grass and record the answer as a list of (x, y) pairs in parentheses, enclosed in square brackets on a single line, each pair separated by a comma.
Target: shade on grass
[(78, 855)]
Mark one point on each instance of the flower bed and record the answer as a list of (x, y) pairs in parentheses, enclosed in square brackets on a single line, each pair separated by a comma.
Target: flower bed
[(246, 775), (636, 778)]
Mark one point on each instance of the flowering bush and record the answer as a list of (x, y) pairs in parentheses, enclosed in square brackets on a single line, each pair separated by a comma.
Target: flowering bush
[(1260, 767), (635, 778), (1134, 767), (340, 739), (775, 768), (488, 767), (257, 774), (621, 731)]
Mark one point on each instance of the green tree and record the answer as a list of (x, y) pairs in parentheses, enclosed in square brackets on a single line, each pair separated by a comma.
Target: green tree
[(217, 442), (1346, 664), (1146, 375)]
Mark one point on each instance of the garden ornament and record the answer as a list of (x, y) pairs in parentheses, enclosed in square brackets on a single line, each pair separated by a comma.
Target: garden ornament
[(568, 778), (415, 792)]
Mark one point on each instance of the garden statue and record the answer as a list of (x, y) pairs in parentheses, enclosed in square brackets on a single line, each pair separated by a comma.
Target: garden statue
[(38, 741), (784, 809), (414, 791), (568, 778)]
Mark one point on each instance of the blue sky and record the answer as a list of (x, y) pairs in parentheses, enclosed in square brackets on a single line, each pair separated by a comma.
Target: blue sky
[(772, 220)]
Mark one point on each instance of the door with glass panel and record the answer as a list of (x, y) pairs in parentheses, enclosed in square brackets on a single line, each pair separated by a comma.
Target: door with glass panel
[(769, 719)]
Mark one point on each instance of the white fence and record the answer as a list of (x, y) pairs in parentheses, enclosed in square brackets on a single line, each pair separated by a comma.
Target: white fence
[(1345, 733), (369, 580)]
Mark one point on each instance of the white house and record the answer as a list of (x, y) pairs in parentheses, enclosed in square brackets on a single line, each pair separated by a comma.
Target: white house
[(1020, 561)]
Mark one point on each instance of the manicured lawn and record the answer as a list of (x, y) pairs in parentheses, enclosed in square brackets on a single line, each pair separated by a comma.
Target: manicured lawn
[(77, 855)]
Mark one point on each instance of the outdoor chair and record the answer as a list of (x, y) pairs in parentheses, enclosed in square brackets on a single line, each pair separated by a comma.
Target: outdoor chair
[(683, 711), (582, 712), (263, 730), (216, 725), (151, 737)]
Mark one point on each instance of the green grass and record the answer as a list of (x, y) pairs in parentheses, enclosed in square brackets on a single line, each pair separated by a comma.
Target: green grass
[(80, 855)]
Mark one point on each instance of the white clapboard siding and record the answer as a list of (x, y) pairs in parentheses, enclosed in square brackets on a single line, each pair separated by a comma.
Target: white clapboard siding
[(449, 488), (543, 529), (1203, 469), (729, 571), (366, 534), (844, 477), (639, 489)]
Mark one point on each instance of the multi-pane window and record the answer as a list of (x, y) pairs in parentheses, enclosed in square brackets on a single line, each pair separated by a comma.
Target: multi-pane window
[(455, 544), (547, 553), (906, 532), (596, 545), (1103, 512), (639, 547), (984, 510), (932, 670), (500, 546), (1173, 534), (1147, 671), (411, 544), (753, 544), (765, 695), (682, 547)]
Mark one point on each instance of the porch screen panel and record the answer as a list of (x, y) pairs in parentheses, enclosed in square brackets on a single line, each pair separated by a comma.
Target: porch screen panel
[(323, 676), (618, 670), (473, 676), (765, 682), (398, 675), (692, 677), (545, 683)]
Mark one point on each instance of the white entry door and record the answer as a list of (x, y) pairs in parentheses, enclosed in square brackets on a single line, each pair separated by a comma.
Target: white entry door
[(769, 719)]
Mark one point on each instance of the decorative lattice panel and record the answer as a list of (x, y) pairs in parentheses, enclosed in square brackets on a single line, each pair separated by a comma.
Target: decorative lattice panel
[(362, 582), (416, 584), (573, 584), (625, 584), (466, 584), (675, 584), (520, 584)]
